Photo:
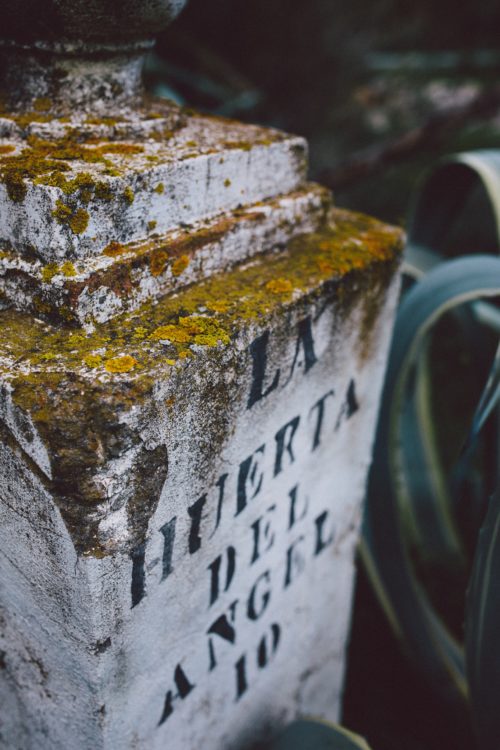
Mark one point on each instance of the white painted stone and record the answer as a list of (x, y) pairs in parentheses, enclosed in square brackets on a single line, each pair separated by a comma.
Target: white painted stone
[(93, 645)]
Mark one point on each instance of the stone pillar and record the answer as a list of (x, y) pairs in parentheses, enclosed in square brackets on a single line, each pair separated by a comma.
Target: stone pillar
[(193, 344)]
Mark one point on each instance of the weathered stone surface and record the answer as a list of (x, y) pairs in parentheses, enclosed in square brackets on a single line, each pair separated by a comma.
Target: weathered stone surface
[(67, 198), (125, 276), (180, 496)]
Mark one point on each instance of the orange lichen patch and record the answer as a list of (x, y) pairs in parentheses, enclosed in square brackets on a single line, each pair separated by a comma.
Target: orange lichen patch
[(158, 262), (113, 249), (179, 265), (325, 266), (126, 363), (279, 286), (6, 148)]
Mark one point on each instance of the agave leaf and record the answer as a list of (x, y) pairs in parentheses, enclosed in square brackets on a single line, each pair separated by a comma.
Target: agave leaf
[(443, 198), (489, 400), (317, 735), (483, 628), (425, 502), (446, 195), (384, 547)]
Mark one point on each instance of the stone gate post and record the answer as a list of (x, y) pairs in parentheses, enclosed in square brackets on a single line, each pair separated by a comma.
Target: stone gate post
[(192, 348)]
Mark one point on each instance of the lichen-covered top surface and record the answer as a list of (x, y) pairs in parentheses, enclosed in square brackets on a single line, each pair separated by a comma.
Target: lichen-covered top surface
[(38, 148), (166, 334)]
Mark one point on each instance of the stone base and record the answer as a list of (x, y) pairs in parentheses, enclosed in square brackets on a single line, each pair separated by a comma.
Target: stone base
[(124, 277), (180, 496)]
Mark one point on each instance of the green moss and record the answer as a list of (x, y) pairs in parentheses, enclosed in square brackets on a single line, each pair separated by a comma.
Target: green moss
[(180, 264), (103, 191), (62, 213), (104, 120), (42, 104), (79, 221), (158, 262), (46, 162), (128, 194), (76, 219), (114, 249)]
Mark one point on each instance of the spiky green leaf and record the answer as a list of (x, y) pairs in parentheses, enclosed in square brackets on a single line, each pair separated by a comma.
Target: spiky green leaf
[(384, 546)]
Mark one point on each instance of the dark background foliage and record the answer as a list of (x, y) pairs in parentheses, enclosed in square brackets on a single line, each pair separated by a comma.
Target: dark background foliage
[(392, 84)]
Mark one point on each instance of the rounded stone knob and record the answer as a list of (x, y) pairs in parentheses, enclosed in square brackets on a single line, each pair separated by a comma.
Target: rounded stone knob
[(97, 22), (81, 55)]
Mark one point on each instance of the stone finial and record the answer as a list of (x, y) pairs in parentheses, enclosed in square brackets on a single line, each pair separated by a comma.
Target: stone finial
[(78, 53)]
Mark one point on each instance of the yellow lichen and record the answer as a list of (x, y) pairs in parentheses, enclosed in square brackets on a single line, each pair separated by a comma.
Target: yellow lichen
[(179, 265), (6, 148), (49, 271), (160, 188), (93, 360), (171, 333), (194, 329), (227, 183), (325, 266), (218, 305), (353, 244), (152, 225), (45, 161), (68, 269), (125, 363)]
